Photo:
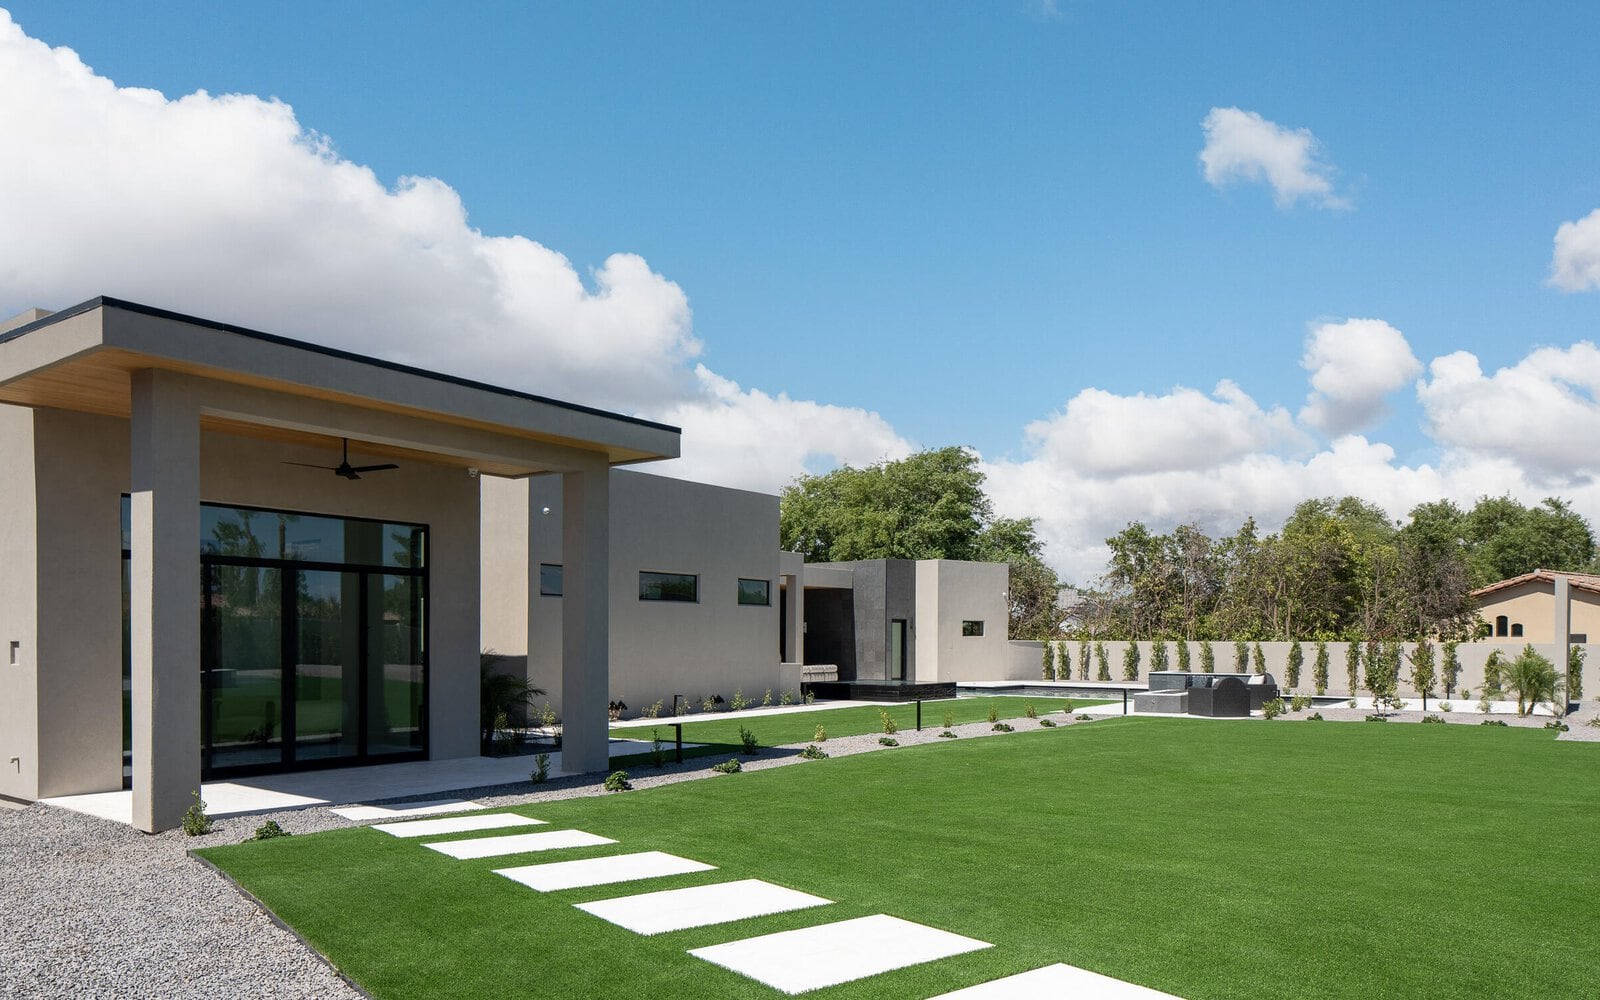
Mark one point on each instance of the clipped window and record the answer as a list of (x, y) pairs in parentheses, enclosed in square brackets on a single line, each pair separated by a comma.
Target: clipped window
[(757, 592), (971, 628), (550, 579), (669, 587)]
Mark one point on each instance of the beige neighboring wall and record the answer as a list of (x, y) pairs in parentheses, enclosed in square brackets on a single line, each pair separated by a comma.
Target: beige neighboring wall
[(950, 592), (19, 731), (1532, 605), (658, 648)]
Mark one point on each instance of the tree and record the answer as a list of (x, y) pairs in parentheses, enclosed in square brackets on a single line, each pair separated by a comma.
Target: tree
[(1208, 658), (1047, 667), (1063, 663), (1452, 668), (1083, 661), (1493, 664), (1505, 539), (928, 506), (1241, 657), (1103, 666), (1319, 668), (1183, 655), (1423, 670), (1352, 666), (1533, 678), (1297, 657), (1158, 655), (1130, 662), (1260, 658)]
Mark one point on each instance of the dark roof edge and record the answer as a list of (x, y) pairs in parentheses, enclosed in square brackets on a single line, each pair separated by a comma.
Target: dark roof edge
[(106, 301)]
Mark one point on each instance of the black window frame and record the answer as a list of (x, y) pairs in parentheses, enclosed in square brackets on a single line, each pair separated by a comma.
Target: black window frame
[(766, 592), (663, 597), (968, 631), (560, 578)]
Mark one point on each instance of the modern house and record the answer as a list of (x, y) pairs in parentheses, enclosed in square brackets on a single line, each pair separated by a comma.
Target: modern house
[(228, 552), (1538, 607)]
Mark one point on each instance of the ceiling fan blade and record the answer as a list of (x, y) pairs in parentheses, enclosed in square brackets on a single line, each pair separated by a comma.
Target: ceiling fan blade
[(308, 465), (374, 468)]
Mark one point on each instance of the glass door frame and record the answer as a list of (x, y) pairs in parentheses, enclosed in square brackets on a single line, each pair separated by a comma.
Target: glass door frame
[(899, 628)]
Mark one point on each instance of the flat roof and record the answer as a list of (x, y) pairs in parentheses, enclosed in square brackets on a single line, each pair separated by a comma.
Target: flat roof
[(82, 357)]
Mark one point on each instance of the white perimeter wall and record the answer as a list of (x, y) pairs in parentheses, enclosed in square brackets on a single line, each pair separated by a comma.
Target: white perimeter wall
[(658, 648), (1025, 662)]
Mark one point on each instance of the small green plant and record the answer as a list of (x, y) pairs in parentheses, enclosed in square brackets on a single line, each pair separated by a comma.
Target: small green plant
[(811, 697), (947, 735), (787, 698), (548, 718), (1314, 717), (653, 712), (658, 754), (1047, 724), (269, 830), (1445, 706), (748, 738), (618, 781), (711, 703), (730, 766), (1272, 709), (813, 752), (1030, 711), (889, 727), (541, 769), (1434, 719), (505, 738), (994, 714), (1067, 708), (1493, 722), (1001, 727), (195, 822), (1299, 703), (1352, 703), (740, 702), (680, 707), (1593, 723), (821, 735), (1484, 704), (1083, 718), (888, 741), (766, 700), (1557, 725), (1377, 718), (949, 720)]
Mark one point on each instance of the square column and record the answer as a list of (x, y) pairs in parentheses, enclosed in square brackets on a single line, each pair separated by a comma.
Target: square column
[(794, 614), (164, 599), (585, 617)]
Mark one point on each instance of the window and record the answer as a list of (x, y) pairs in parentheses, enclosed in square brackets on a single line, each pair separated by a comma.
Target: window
[(972, 628), (669, 587), (1578, 637), (1516, 630), (549, 579), (1500, 625), (755, 591)]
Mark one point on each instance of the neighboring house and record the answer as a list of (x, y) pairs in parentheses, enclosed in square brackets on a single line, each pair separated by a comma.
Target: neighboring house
[(1531, 607)]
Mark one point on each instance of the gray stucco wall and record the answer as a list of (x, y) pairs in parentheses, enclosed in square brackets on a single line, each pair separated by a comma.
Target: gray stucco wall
[(658, 648), (950, 592), (19, 579)]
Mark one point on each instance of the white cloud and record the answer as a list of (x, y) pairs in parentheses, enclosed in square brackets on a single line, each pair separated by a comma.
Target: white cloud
[(227, 207), (1243, 146), (1539, 415), (1354, 364), (1575, 263)]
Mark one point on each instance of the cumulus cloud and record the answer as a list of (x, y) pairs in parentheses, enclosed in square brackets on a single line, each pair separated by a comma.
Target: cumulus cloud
[(228, 207), (1354, 364), (1243, 146), (1575, 264)]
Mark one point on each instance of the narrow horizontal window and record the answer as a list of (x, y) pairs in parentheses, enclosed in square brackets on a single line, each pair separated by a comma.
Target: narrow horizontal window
[(971, 628), (755, 591), (669, 587), (550, 579)]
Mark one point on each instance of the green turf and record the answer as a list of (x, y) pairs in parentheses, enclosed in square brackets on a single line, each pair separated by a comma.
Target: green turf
[(721, 736), (1206, 859)]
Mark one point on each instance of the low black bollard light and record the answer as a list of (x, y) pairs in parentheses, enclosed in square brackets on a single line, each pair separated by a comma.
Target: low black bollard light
[(919, 715)]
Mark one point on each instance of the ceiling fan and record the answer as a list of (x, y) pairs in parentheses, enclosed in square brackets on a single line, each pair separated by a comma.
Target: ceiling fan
[(344, 468)]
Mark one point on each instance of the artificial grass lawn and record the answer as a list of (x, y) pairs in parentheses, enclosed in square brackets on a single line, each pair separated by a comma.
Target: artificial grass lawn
[(1206, 859), (721, 736)]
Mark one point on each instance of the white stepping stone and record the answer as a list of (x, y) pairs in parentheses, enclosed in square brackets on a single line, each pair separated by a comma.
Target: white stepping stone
[(455, 824), (1054, 982), (830, 954), (362, 813), (557, 875), (700, 905), (519, 843)]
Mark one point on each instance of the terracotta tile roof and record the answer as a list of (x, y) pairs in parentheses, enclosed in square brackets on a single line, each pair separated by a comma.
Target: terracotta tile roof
[(1578, 581)]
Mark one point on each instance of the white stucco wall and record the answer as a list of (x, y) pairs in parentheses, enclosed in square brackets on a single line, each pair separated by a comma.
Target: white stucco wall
[(950, 592), (658, 648), (18, 595)]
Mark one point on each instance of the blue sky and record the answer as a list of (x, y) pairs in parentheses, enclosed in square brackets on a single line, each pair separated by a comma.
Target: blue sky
[(963, 215)]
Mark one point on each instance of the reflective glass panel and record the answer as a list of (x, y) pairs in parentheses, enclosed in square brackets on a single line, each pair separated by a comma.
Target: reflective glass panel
[(394, 665), (328, 668), (242, 665)]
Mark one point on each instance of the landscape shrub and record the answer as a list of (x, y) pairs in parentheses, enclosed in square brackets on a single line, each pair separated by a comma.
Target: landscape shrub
[(1158, 655), (1436, 719), (1352, 666), (949, 720), (947, 735), (766, 700), (1083, 661), (813, 752), (1272, 709), (1001, 727), (787, 698), (195, 822), (821, 735), (1183, 656), (811, 697), (1030, 711), (614, 710), (888, 741), (1575, 655), (1047, 667), (541, 769), (505, 738), (1259, 656), (1484, 705), (1208, 658), (1423, 672), (1291, 673), (729, 766), (1491, 674), (1102, 663), (618, 781), (1594, 723), (1299, 703), (1314, 717), (653, 712), (1445, 706), (1319, 668), (711, 703), (1063, 664), (269, 830), (1046, 723), (1557, 725), (1450, 671), (740, 702), (1130, 661), (1377, 718), (1067, 708), (1494, 722), (1533, 678), (994, 714), (749, 740), (658, 754), (1241, 657), (889, 727)]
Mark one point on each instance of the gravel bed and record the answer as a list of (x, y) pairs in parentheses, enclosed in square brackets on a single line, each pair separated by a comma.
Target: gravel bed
[(93, 908)]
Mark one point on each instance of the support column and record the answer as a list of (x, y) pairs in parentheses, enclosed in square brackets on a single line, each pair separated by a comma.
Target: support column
[(164, 599), (1563, 626), (585, 617), (793, 603)]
